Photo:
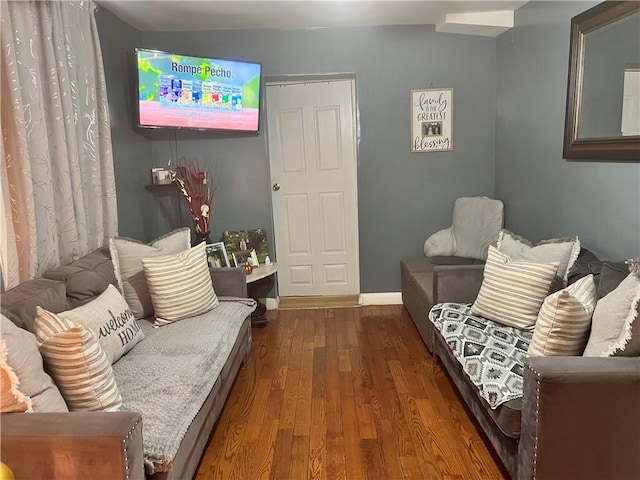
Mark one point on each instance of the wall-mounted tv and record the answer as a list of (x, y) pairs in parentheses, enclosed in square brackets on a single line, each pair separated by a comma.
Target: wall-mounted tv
[(180, 91)]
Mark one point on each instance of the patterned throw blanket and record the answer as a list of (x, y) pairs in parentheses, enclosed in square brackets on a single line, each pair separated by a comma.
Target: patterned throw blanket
[(492, 355), (168, 375)]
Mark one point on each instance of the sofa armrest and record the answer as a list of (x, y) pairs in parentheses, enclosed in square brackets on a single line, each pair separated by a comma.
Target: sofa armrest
[(580, 418), (100, 445), (229, 282), (456, 283)]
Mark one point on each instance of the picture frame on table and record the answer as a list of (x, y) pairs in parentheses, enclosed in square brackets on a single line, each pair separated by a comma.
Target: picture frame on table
[(217, 255), (240, 257), (254, 257), (241, 240)]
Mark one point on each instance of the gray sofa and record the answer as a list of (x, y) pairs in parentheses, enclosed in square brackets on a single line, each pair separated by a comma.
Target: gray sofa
[(578, 418), (114, 445)]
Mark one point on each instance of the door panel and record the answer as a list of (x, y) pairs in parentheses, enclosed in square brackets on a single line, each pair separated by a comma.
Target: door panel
[(312, 154), (297, 217)]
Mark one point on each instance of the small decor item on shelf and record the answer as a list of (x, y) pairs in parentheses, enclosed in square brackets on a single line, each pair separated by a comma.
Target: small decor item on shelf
[(247, 268), (161, 176), (194, 182)]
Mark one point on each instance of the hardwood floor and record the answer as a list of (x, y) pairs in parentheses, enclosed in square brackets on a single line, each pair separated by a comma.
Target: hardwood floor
[(345, 393)]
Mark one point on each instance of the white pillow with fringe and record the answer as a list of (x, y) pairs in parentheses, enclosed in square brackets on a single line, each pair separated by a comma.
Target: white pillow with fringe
[(565, 251), (127, 255), (615, 326), (12, 399)]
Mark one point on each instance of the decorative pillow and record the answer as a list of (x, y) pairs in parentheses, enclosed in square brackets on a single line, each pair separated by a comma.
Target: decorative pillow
[(19, 304), (565, 251), (611, 275), (615, 327), (126, 255), (111, 320), (180, 285), (582, 266), (84, 278), (475, 225), (512, 291), (12, 400), (75, 360), (25, 359), (563, 323)]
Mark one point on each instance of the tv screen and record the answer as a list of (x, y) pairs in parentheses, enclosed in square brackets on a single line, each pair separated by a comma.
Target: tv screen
[(180, 91)]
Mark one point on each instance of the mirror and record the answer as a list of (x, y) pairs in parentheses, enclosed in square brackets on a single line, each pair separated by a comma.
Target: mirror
[(602, 120)]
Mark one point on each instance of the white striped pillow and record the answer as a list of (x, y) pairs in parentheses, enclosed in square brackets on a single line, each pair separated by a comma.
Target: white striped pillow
[(512, 291), (180, 285), (74, 358), (564, 320)]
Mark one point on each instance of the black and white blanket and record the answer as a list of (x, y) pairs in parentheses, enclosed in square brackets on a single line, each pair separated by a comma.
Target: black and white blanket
[(492, 355)]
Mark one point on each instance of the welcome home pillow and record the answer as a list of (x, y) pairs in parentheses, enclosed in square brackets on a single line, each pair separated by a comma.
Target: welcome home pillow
[(564, 320), (111, 321), (127, 255), (180, 285), (512, 291), (77, 363)]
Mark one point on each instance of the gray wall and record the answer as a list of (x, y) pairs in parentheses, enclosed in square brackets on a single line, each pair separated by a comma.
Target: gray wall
[(131, 152), (544, 195), (403, 197)]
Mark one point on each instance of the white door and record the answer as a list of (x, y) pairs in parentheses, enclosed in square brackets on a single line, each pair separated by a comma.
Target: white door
[(311, 131)]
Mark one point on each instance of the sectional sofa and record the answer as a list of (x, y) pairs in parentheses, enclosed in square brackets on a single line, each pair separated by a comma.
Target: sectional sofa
[(173, 383), (577, 418)]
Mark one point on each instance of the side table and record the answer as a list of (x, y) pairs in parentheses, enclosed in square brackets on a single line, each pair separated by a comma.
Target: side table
[(259, 317)]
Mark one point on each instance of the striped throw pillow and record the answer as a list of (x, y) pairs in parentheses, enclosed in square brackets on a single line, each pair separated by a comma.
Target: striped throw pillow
[(512, 291), (564, 320), (127, 255), (180, 285), (74, 358)]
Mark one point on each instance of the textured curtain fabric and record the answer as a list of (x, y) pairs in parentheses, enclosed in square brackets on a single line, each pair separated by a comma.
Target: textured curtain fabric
[(58, 185)]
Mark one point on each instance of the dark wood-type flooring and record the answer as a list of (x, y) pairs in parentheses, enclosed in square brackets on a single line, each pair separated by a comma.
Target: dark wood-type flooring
[(346, 393)]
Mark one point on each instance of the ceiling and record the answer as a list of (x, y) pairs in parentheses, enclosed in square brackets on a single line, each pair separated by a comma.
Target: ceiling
[(488, 18)]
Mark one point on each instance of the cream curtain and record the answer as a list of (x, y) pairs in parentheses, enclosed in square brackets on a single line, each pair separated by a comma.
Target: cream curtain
[(58, 186)]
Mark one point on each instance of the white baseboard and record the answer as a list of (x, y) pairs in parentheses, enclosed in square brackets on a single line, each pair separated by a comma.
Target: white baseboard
[(271, 303), (384, 298)]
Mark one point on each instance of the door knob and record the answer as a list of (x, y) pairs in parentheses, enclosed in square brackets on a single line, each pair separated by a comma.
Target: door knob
[(276, 187)]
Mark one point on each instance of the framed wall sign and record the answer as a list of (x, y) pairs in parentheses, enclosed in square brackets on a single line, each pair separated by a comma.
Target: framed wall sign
[(432, 120)]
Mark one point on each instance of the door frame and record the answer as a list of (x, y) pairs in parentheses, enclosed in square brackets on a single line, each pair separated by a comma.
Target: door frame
[(295, 79)]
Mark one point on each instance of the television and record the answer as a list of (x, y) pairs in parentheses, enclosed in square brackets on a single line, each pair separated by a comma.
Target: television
[(181, 91)]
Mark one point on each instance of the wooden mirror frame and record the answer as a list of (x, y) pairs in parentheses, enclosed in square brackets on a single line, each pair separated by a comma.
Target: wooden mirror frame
[(603, 149)]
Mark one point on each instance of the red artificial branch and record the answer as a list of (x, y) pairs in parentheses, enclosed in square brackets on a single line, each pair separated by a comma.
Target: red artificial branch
[(195, 184)]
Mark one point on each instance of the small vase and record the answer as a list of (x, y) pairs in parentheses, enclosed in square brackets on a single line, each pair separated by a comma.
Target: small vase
[(201, 237)]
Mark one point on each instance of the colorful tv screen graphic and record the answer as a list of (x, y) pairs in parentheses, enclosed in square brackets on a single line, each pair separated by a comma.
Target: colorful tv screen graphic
[(179, 91)]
